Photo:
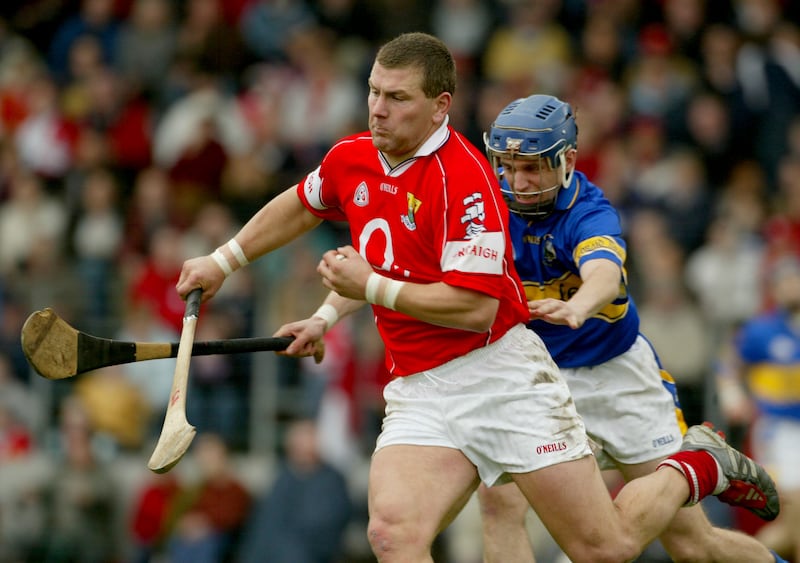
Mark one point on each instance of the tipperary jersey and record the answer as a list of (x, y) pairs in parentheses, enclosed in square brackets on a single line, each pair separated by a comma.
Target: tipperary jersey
[(437, 217), (771, 348), (548, 254)]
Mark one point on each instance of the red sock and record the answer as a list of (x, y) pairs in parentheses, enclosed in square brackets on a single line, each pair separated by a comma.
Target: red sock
[(700, 470)]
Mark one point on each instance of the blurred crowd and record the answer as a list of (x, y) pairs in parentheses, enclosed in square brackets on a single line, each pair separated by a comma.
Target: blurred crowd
[(137, 133)]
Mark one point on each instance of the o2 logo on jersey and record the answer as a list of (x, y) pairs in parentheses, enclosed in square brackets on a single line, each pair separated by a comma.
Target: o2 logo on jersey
[(413, 207), (474, 214)]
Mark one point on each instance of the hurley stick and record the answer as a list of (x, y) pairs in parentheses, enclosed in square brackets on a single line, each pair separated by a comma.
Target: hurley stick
[(177, 433), (57, 350)]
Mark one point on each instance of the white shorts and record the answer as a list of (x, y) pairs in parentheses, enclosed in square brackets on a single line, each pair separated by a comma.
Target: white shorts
[(775, 446), (629, 406), (505, 406)]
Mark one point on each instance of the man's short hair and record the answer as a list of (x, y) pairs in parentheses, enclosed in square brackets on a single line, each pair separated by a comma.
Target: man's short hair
[(426, 52)]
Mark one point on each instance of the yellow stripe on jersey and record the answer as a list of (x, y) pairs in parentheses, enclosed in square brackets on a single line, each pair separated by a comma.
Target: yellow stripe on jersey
[(775, 383), (598, 243)]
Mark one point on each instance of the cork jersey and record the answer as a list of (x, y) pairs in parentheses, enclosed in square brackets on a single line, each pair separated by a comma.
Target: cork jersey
[(548, 255), (437, 217), (770, 346)]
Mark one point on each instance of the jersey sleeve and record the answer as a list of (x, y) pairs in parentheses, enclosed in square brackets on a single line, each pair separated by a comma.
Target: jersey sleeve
[(476, 241), (318, 191), (598, 234)]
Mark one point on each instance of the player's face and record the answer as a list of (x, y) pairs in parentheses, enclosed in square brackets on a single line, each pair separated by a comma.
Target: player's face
[(532, 179), (401, 117)]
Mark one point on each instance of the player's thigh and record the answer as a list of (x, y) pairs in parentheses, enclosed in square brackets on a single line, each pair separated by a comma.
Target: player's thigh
[(424, 487), (572, 501)]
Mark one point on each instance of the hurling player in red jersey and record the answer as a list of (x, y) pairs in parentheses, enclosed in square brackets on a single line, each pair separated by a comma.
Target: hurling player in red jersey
[(476, 396)]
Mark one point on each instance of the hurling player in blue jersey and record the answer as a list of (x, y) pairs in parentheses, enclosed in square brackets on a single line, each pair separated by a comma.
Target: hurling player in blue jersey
[(570, 255), (759, 386)]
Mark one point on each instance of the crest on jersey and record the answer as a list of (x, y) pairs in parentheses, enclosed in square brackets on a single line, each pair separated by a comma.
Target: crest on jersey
[(474, 215), (413, 206), (549, 250), (361, 197)]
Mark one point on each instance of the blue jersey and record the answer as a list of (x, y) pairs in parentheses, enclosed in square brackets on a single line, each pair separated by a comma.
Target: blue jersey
[(548, 254), (771, 347)]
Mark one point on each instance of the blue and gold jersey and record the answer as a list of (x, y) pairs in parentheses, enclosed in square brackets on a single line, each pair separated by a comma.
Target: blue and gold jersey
[(548, 254), (770, 346)]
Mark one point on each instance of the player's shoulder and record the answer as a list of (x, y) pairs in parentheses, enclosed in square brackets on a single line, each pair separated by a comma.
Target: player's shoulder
[(458, 146)]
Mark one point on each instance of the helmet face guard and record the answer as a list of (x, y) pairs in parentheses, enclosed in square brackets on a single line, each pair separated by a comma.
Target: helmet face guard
[(533, 135)]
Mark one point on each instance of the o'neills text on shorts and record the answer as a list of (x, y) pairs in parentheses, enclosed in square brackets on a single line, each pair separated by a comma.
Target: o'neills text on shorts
[(550, 448)]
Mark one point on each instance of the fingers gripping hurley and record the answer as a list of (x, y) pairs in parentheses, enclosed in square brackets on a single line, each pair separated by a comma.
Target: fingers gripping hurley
[(177, 433)]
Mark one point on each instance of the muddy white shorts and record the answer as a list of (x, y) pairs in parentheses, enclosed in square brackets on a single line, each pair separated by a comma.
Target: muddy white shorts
[(776, 446), (505, 406), (629, 406)]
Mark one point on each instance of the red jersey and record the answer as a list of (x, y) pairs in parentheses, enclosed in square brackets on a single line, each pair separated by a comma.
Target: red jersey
[(437, 217)]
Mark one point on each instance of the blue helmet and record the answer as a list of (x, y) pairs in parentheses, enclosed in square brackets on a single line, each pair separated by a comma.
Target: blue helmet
[(538, 126)]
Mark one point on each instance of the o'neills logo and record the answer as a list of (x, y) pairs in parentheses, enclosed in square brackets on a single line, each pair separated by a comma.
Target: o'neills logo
[(550, 448)]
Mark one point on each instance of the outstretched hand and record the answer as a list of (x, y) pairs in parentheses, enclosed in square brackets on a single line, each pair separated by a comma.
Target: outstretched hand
[(556, 312)]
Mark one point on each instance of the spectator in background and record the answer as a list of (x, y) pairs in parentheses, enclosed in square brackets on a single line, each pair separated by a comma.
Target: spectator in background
[(95, 18), (31, 216), (77, 500), (782, 227), (321, 102), (46, 139), (96, 241), (759, 388), (116, 408), (267, 25), (658, 79), (303, 516), (152, 504), (193, 141), (146, 46), (154, 284), (208, 514), (531, 48), (149, 209), (209, 42)]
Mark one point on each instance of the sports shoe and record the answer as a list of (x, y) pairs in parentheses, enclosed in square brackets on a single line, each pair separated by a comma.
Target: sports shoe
[(744, 483)]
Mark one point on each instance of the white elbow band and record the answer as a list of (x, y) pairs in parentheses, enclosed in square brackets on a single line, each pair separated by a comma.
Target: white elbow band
[(381, 290), (222, 262), (328, 313), (237, 252)]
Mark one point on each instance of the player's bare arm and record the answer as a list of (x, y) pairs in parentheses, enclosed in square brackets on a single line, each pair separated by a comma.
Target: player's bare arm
[(436, 303), (280, 221), (601, 282)]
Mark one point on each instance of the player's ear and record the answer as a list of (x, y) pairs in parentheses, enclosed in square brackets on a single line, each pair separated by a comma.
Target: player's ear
[(442, 106), (571, 158)]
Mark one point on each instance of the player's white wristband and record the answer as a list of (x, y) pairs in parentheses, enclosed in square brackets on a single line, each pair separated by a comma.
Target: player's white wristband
[(328, 313), (237, 252), (222, 262), (381, 290)]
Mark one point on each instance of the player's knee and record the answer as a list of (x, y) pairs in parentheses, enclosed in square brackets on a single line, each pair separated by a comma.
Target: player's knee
[(393, 541)]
